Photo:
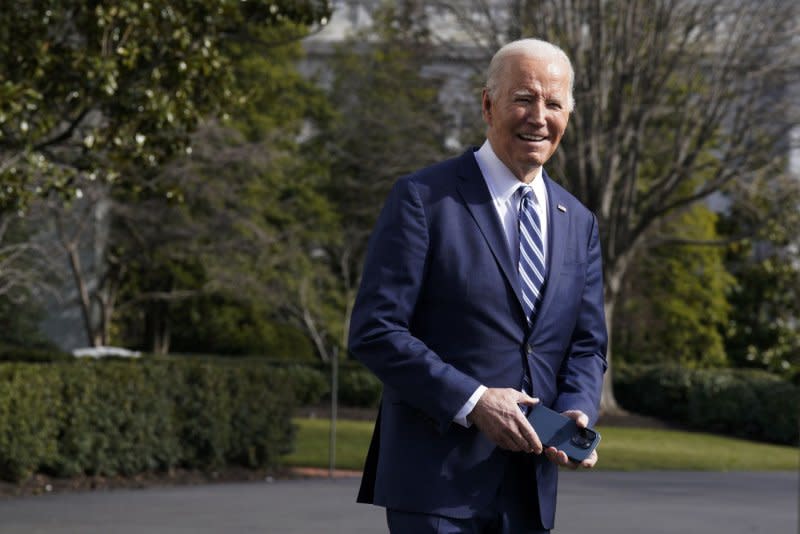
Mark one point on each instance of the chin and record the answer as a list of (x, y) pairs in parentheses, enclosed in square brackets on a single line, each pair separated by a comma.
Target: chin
[(535, 161)]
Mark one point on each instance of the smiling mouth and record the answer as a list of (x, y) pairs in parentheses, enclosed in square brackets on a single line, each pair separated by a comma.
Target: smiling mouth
[(532, 138)]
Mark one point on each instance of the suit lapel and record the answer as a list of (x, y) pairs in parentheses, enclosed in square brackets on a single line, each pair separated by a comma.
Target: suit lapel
[(558, 230), (474, 191)]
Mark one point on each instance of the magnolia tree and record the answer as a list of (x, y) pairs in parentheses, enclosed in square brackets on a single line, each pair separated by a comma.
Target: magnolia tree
[(96, 96), (99, 90)]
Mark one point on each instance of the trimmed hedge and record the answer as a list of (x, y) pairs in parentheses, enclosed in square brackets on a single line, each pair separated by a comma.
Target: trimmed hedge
[(741, 402), (125, 417), (359, 387), (29, 407), (311, 383)]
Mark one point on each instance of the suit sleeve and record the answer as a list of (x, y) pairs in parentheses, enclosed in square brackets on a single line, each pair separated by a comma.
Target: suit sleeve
[(580, 377), (380, 327)]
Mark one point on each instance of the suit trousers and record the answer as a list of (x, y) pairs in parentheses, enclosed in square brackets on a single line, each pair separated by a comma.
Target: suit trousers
[(514, 510)]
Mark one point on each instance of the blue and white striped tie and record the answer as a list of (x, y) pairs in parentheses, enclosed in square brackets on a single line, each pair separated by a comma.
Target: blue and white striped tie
[(531, 255)]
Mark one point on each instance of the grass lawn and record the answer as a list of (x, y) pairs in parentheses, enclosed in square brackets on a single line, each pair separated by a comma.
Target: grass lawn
[(621, 449)]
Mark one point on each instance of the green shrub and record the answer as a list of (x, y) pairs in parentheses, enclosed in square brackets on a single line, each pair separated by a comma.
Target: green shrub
[(126, 417), (358, 387), (260, 436), (739, 402), (309, 385), (715, 398), (202, 409), (116, 418), (779, 402), (652, 389), (29, 402)]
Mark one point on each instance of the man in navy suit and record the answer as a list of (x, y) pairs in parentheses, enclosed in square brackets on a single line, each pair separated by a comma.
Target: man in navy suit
[(441, 318)]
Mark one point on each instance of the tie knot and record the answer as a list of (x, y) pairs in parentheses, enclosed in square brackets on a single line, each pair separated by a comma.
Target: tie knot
[(526, 193)]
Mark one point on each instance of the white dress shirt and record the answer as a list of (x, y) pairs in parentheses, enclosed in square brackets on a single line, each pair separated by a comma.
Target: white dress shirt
[(503, 187)]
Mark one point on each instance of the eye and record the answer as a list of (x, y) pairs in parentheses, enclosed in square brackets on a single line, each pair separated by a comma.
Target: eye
[(553, 104)]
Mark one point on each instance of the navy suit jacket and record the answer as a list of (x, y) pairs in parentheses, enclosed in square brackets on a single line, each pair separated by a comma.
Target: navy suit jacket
[(439, 312)]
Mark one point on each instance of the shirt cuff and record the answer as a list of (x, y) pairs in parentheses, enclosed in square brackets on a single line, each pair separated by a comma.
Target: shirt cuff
[(461, 416)]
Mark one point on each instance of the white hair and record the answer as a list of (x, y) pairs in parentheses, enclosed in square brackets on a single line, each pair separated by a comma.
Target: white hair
[(530, 47)]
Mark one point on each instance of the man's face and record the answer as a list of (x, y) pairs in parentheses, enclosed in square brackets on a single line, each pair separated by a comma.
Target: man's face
[(529, 112)]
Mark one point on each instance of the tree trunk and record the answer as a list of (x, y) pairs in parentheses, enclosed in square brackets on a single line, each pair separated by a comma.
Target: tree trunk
[(317, 336), (350, 296), (93, 335), (161, 342), (614, 275), (158, 326), (608, 401)]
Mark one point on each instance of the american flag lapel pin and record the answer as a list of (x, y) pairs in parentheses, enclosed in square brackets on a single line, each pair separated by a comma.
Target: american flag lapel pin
[(563, 208)]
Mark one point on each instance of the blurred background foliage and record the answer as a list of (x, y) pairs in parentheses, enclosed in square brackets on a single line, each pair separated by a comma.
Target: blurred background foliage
[(168, 170)]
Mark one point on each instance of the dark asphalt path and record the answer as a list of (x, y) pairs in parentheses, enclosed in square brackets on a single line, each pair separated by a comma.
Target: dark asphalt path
[(589, 502)]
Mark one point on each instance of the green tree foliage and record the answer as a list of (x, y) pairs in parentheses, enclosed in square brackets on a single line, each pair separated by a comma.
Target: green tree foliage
[(19, 324), (764, 331), (108, 92), (24, 277), (674, 303), (219, 265), (764, 326), (99, 89), (218, 325), (390, 120)]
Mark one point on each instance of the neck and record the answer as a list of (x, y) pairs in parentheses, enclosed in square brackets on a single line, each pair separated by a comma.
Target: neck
[(526, 176)]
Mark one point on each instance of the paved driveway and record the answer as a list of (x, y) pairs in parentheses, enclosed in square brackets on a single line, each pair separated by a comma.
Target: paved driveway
[(590, 502)]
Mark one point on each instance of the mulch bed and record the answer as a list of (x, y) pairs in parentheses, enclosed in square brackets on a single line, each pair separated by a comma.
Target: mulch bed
[(40, 484)]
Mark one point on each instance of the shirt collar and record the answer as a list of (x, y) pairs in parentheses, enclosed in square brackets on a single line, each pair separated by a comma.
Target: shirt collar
[(501, 181)]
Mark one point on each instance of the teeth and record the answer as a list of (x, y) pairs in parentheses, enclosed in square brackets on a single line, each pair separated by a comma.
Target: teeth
[(531, 137)]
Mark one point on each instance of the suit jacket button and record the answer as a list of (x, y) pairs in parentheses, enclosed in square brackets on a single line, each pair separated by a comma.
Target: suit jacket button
[(529, 349)]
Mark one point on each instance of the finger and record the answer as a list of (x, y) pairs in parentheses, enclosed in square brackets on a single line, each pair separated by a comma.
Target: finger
[(506, 443), (553, 455), (519, 443), (532, 442), (559, 458), (590, 462), (524, 398), (580, 418), (508, 437), (564, 460), (525, 445), (502, 439)]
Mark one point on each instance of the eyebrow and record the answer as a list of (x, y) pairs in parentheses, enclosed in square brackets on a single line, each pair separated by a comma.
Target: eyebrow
[(547, 97)]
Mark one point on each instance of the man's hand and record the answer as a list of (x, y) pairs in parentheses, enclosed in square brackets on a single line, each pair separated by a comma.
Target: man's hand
[(497, 414), (560, 457)]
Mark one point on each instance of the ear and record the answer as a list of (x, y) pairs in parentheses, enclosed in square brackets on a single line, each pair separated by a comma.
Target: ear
[(486, 107)]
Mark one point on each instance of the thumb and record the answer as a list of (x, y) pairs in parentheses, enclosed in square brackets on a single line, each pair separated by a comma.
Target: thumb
[(580, 418)]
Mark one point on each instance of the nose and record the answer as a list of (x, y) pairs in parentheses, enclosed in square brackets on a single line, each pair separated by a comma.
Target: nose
[(537, 113)]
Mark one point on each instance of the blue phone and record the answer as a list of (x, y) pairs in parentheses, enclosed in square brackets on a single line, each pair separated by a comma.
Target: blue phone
[(561, 432)]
